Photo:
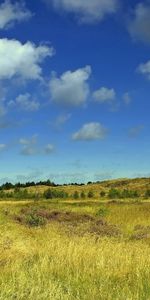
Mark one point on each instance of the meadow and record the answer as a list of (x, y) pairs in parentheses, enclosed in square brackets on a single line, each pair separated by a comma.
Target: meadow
[(66, 249)]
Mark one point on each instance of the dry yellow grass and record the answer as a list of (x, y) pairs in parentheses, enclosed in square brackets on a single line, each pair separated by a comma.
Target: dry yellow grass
[(55, 262)]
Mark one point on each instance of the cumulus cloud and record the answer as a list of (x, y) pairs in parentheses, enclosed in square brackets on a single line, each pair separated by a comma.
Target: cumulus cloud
[(86, 11), (31, 147), (13, 12), (89, 132), (139, 23), (72, 88), (104, 95), (144, 69), (22, 60), (25, 102)]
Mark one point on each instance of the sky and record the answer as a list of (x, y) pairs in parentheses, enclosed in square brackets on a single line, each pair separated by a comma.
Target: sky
[(74, 90)]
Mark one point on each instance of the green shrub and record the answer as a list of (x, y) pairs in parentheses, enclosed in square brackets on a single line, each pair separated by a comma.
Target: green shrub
[(102, 212), (82, 195), (147, 193), (102, 194), (114, 193), (52, 194), (34, 221), (76, 195), (90, 194)]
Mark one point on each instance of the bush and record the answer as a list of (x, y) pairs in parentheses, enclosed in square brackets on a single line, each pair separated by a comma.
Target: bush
[(102, 194), (52, 194), (22, 194), (129, 194), (90, 194), (34, 220), (76, 195), (82, 195), (113, 194), (147, 194), (102, 212), (48, 194)]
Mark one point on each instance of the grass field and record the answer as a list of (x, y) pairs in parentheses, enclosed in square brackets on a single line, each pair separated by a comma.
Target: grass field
[(87, 250)]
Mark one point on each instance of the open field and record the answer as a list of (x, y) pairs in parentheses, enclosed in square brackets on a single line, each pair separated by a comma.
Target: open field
[(90, 249)]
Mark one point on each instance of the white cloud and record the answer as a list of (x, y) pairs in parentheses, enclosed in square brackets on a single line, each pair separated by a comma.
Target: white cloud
[(31, 147), (31, 141), (104, 95), (22, 60), (144, 69), (86, 11), (2, 147), (90, 131), (72, 88), (25, 102), (49, 149), (139, 23), (13, 12)]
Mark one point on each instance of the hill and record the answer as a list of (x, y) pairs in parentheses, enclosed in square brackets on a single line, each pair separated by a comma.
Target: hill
[(138, 184)]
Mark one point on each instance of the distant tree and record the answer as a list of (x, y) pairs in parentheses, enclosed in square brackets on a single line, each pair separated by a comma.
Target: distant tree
[(16, 189), (114, 193), (147, 193), (102, 194), (135, 194), (90, 194), (7, 186), (54, 193), (48, 194), (82, 195), (76, 195)]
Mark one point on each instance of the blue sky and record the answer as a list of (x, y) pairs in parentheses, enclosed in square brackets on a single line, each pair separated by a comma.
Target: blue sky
[(74, 90)]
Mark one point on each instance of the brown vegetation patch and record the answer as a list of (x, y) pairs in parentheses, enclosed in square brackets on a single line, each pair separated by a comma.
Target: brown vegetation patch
[(141, 227), (59, 216), (95, 226), (64, 216), (102, 228), (141, 232)]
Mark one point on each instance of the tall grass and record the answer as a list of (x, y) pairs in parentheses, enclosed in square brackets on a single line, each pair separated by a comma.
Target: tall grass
[(49, 264)]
